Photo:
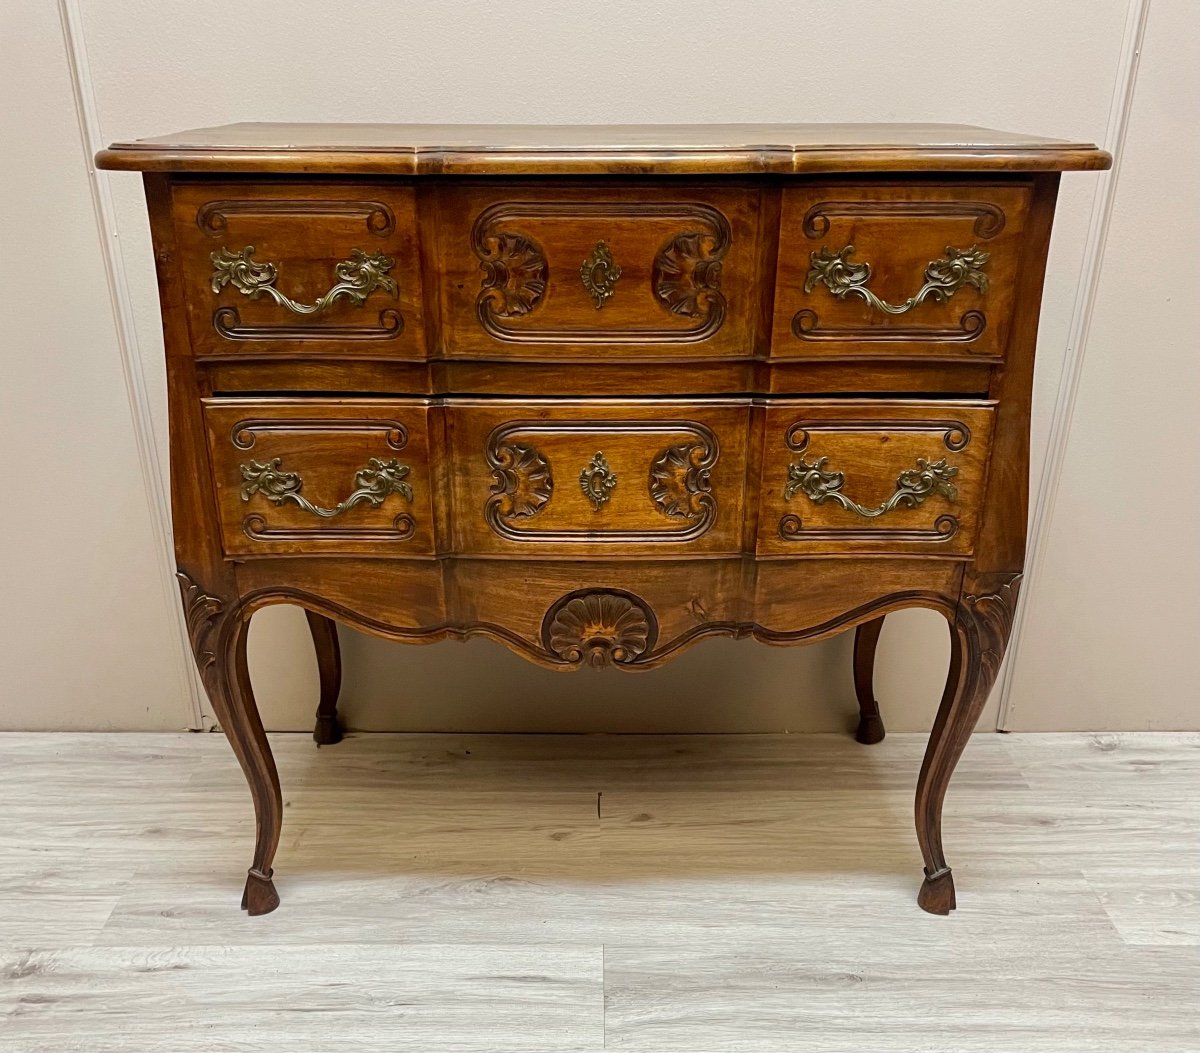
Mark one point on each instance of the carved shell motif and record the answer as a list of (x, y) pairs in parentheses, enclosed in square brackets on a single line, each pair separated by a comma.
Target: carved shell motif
[(599, 628), (514, 275), (523, 483), (687, 274), (679, 481)]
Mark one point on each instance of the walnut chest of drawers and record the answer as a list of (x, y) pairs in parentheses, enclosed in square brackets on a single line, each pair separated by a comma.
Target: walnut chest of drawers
[(598, 394)]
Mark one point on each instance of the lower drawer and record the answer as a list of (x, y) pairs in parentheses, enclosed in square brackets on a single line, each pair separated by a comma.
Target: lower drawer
[(322, 476), (595, 478), (592, 477), (867, 476)]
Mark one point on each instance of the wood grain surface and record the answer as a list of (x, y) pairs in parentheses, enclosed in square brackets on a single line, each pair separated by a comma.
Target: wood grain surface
[(569, 149)]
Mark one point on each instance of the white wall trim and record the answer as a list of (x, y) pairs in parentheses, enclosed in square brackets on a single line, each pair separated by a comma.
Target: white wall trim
[(157, 502), (1124, 85)]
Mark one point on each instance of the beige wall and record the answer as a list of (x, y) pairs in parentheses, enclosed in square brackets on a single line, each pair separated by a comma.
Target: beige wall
[(102, 650), (1112, 624)]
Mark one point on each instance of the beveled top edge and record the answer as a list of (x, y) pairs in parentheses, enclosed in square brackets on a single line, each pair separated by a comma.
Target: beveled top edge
[(432, 149)]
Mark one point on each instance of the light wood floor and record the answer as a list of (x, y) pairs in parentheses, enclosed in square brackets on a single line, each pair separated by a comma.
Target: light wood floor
[(690, 894)]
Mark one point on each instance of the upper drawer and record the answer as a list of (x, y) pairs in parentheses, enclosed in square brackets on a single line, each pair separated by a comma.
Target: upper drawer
[(300, 268), (559, 272), (875, 270)]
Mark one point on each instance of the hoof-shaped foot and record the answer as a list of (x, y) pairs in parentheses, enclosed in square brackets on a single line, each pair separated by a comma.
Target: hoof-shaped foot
[(259, 896), (327, 730), (937, 892), (870, 730)]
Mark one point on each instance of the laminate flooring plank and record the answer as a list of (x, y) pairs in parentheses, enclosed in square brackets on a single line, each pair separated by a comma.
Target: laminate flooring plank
[(467, 997)]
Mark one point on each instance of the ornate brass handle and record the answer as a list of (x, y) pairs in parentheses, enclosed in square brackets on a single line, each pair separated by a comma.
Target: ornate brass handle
[(597, 481), (913, 485), (943, 277), (600, 273), (358, 277), (376, 483)]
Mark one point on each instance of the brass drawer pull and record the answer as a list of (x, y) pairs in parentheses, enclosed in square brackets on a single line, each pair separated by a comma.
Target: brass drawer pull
[(600, 274), (358, 277), (943, 277), (376, 483), (913, 485), (597, 481)]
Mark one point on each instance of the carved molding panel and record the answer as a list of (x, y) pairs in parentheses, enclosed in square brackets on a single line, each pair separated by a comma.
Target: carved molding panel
[(677, 480), (831, 269), (599, 627), (685, 274), (989, 218), (912, 486), (356, 277), (213, 216), (374, 483)]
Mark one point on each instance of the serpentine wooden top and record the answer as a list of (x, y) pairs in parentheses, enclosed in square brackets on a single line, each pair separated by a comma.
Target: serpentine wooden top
[(663, 149)]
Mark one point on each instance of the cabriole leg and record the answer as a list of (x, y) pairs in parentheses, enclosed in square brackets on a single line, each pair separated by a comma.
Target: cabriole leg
[(218, 631), (979, 636), (870, 724), (329, 665)]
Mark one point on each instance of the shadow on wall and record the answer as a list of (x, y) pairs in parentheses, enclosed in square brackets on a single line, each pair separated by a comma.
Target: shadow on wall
[(718, 685)]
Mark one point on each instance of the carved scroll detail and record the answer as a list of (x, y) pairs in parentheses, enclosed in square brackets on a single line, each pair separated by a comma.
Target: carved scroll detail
[(523, 482), (599, 627), (679, 481)]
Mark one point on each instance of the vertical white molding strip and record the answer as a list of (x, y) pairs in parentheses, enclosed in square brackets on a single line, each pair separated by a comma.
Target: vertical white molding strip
[(131, 359), (1125, 82)]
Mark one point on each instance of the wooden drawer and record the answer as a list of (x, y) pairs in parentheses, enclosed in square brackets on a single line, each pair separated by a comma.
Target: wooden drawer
[(283, 268), (864, 476), (559, 272), (879, 270), (322, 476), (575, 477)]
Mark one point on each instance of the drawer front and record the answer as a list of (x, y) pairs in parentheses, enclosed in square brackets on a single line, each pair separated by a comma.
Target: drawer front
[(906, 269), (321, 476), (650, 272), (581, 478), (308, 269), (867, 477)]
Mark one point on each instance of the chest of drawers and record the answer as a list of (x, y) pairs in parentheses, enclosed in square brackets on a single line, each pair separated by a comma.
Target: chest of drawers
[(598, 394)]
